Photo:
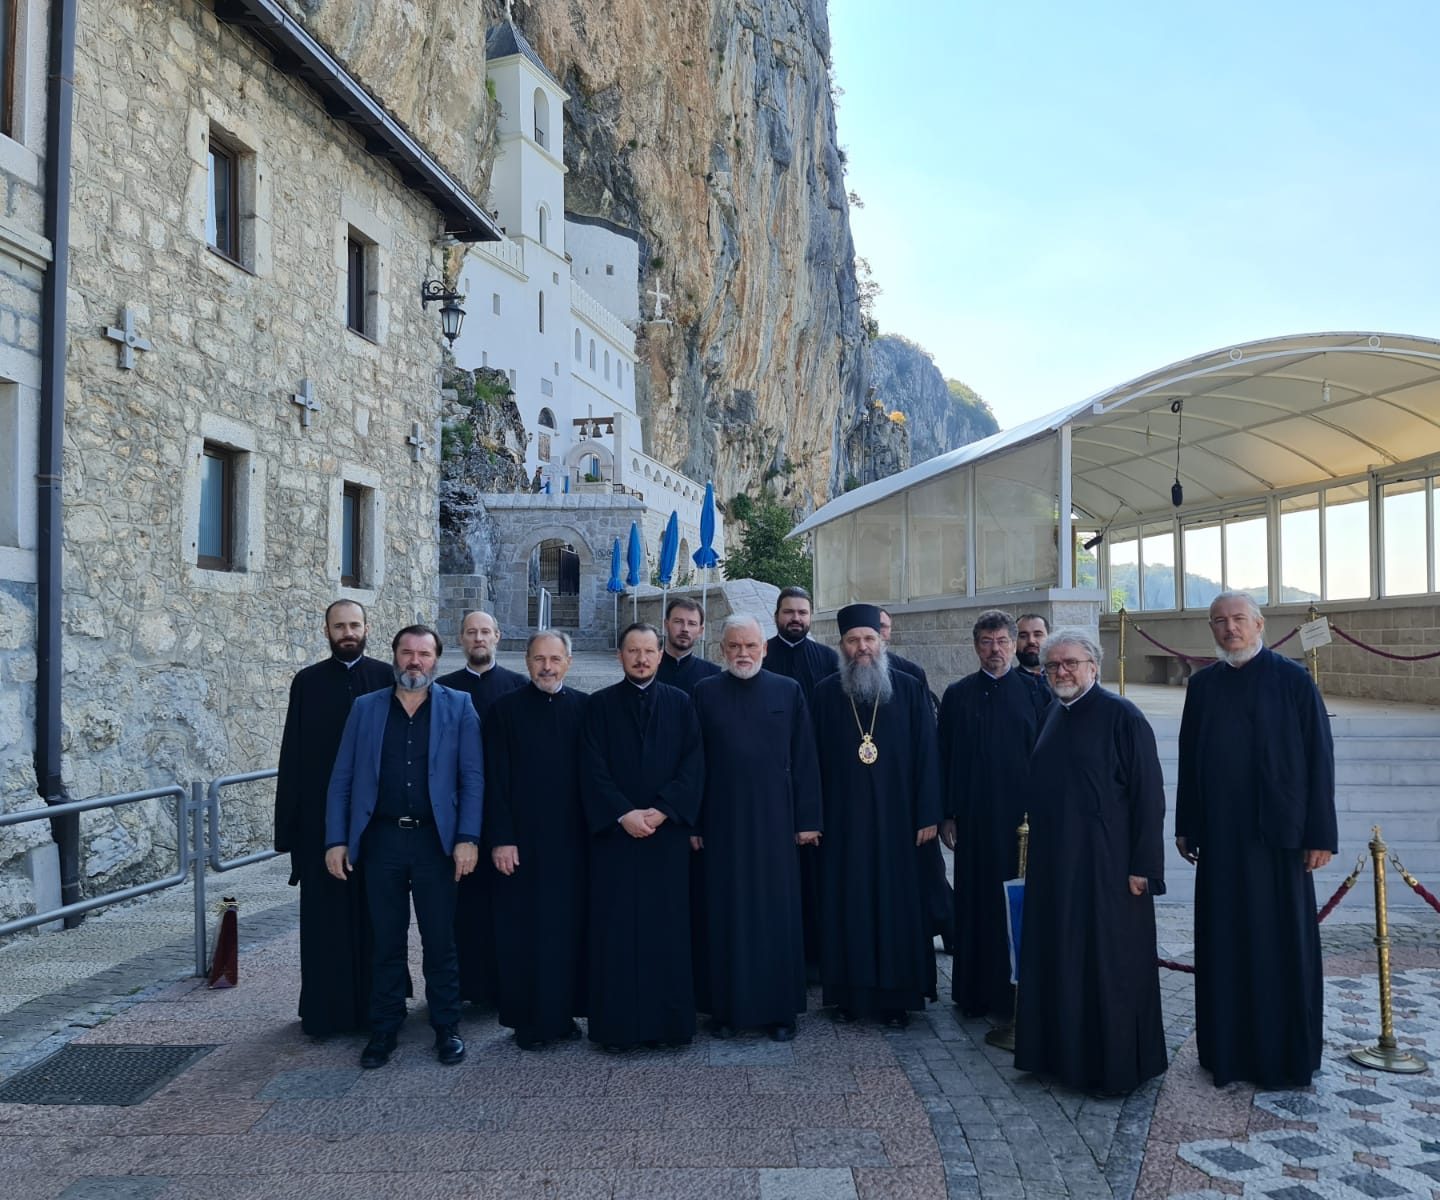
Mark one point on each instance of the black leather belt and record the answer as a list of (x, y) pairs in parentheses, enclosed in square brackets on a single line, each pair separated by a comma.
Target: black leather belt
[(413, 823)]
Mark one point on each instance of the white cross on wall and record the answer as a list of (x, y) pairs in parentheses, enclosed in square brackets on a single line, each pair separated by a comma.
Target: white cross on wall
[(305, 398), (129, 341), (660, 298), (418, 444)]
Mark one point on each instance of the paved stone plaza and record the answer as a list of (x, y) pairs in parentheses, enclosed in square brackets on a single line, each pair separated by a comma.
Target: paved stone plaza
[(844, 1111)]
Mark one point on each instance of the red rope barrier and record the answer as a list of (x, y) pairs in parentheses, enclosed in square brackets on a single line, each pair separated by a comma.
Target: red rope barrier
[(1171, 965), (1333, 902), (1382, 653), (1201, 658)]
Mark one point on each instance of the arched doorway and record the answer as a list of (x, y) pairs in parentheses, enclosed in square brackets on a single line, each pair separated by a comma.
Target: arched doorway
[(555, 567)]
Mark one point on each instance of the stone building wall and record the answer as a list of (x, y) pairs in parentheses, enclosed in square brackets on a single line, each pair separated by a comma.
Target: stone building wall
[(173, 672)]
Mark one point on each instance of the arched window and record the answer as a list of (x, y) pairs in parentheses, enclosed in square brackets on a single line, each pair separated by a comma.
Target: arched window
[(541, 297), (547, 418), (544, 215), (592, 354), (577, 345), (542, 118), (607, 364), (593, 466)]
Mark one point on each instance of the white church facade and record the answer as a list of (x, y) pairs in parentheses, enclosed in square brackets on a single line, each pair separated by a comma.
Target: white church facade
[(555, 306)]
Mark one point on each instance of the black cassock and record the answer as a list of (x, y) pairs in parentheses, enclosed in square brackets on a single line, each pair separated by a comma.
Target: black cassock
[(640, 749), (876, 951), (939, 898), (474, 909), (334, 922), (532, 802), (685, 673), (1256, 788), (1089, 995), (807, 662), (988, 727), (762, 787)]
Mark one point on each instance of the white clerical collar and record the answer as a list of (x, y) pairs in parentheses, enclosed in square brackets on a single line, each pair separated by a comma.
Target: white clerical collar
[(789, 643), (679, 658), (1002, 674), (1076, 700), (348, 665), (640, 687), (480, 674)]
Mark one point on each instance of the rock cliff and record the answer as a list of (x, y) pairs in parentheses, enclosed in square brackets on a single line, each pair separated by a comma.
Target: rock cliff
[(709, 129), (940, 414)]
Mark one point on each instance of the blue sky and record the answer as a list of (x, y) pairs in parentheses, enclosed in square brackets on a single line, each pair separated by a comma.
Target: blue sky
[(1060, 196)]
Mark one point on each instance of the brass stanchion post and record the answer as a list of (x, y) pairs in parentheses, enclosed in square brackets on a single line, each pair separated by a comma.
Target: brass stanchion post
[(1313, 654), (1003, 1036), (1386, 1055), (1120, 658)]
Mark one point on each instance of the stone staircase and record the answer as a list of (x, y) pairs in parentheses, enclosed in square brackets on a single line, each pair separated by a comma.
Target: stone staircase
[(1387, 773)]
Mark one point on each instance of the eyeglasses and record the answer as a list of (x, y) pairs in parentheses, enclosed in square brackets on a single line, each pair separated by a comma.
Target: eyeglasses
[(1068, 665), (992, 643)]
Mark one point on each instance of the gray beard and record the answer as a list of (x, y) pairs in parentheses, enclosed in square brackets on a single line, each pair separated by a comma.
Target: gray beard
[(1238, 658), (744, 672), (412, 681), (867, 683)]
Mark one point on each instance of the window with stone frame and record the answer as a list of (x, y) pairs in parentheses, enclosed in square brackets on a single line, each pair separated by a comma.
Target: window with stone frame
[(9, 50), (354, 533), (215, 545), (361, 281), (222, 200)]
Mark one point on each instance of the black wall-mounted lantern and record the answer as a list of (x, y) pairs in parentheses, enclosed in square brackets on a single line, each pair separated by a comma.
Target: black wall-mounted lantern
[(452, 316)]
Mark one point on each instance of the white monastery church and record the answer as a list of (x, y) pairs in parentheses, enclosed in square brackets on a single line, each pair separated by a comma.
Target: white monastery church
[(555, 304)]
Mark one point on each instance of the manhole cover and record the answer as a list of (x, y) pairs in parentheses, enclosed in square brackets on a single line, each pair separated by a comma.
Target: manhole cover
[(99, 1074)]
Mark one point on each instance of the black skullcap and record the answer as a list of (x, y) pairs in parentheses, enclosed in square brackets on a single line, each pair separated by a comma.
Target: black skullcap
[(853, 616)]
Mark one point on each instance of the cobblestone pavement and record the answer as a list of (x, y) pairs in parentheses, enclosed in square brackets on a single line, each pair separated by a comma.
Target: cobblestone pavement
[(843, 1112)]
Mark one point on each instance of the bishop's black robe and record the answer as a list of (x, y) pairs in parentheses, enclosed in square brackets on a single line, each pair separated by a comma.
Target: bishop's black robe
[(1089, 995), (334, 922), (807, 662), (685, 673), (876, 952), (762, 787), (532, 802), (474, 909), (640, 750), (988, 727), (1256, 788), (939, 898)]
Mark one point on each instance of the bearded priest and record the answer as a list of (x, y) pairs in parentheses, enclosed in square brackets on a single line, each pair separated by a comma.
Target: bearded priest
[(880, 783)]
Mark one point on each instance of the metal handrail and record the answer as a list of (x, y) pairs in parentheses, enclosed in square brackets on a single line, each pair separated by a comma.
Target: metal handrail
[(185, 852), (212, 812)]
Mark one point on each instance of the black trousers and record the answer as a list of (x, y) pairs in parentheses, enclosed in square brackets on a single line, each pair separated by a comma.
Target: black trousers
[(401, 864)]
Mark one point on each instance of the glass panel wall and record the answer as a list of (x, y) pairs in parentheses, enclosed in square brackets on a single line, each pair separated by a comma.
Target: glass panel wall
[(1347, 542), (1157, 566), (1083, 564), (832, 563), (1300, 549), (1123, 557), (938, 529), (877, 559), (1402, 517), (1016, 518), (1204, 565), (1247, 557)]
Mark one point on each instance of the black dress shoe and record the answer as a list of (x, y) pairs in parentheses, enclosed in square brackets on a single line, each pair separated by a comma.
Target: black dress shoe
[(449, 1045), (615, 1048), (574, 1035), (377, 1050), (721, 1029), (526, 1042), (782, 1033), (895, 1018)]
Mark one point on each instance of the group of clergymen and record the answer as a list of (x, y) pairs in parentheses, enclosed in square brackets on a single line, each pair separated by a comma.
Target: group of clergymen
[(696, 836)]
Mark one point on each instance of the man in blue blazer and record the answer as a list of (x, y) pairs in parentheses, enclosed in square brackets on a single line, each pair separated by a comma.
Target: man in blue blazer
[(406, 795)]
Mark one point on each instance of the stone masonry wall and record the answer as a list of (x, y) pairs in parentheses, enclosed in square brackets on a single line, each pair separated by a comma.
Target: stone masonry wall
[(172, 672)]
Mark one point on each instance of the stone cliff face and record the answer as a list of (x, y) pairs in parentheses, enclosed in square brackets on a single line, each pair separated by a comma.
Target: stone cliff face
[(709, 129), (939, 414)]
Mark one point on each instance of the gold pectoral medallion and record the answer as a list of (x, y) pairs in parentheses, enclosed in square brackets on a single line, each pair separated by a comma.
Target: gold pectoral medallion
[(868, 750)]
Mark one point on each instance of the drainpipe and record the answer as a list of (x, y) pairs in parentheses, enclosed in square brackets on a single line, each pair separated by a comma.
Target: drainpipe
[(59, 107)]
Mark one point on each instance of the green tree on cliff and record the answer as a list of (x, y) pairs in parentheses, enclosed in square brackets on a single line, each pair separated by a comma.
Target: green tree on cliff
[(763, 553)]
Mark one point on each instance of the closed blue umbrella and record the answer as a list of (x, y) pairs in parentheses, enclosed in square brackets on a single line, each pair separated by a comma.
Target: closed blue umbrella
[(705, 557), (669, 549), (615, 585), (634, 560)]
